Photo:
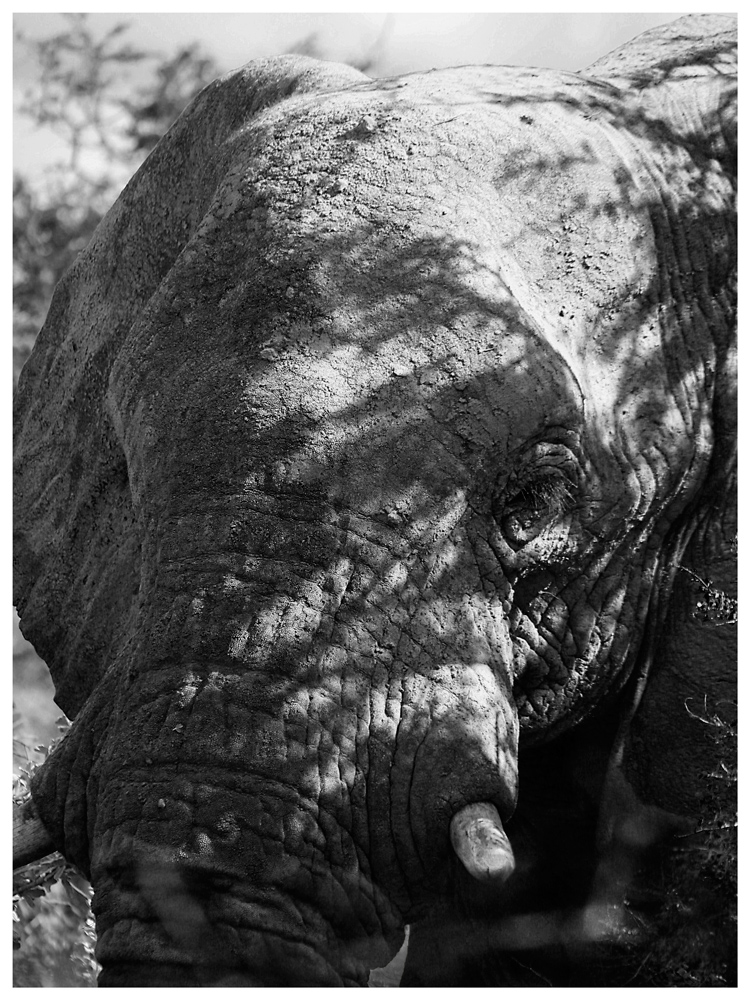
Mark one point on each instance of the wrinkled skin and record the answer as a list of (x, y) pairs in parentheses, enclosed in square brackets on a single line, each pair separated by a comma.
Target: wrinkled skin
[(356, 464)]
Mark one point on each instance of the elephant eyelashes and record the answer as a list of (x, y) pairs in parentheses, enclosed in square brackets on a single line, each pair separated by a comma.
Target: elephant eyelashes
[(530, 509)]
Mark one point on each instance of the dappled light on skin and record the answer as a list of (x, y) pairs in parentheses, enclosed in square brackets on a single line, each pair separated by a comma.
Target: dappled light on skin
[(399, 483)]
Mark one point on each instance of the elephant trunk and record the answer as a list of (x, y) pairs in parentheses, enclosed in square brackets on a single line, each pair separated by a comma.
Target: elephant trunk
[(229, 883), (218, 847), (270, 806)]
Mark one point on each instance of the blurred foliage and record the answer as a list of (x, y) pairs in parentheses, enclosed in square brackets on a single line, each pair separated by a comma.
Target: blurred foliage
[(714, 606), (53, 931), (368, 61), (690, 937)]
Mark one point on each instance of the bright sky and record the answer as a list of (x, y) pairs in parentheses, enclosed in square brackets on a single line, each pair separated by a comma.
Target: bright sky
[(410, 42), (413, 41)]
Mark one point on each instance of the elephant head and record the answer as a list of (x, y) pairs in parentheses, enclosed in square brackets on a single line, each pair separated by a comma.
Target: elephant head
[(356, 461)]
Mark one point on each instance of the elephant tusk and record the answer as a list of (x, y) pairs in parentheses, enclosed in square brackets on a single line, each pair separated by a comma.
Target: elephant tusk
[(481, 843)]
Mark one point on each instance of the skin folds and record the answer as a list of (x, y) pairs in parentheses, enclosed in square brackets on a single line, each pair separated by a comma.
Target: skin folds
[(356, 461)]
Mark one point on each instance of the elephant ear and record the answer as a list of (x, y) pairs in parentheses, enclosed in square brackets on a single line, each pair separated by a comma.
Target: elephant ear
[(78, 530), (673, 770), (685, 75), (672, 763)]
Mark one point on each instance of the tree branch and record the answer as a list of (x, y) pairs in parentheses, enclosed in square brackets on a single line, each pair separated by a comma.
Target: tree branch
[(30, 838)]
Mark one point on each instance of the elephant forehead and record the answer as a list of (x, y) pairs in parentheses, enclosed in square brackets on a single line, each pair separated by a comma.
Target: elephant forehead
[(447, 200), (534, 202), (307, 325), (405, 255), (422, 382)]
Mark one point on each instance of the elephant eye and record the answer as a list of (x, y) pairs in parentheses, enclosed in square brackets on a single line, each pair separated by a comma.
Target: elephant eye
[(525, 511)]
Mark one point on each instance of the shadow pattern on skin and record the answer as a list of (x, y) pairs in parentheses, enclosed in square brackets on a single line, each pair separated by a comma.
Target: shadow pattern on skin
[(403, 478)]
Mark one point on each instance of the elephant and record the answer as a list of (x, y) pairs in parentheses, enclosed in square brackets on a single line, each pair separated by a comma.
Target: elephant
[(374, 481)]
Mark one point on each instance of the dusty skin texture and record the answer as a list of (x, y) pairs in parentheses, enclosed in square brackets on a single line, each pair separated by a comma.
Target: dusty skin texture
[(356, 462)]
